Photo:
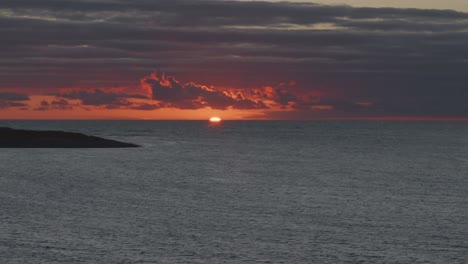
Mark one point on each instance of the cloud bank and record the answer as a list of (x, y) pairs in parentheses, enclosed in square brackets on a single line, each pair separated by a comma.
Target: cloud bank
[(346, 61)]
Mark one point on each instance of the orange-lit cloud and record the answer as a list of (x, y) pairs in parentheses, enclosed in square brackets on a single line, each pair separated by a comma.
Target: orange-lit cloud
[(168, 98), (172, 93)]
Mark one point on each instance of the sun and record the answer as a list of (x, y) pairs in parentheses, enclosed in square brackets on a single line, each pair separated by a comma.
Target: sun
[(215, 119)]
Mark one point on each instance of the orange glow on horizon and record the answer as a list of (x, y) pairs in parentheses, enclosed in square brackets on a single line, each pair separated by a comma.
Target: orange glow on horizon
[(83, 112), (215, 119)]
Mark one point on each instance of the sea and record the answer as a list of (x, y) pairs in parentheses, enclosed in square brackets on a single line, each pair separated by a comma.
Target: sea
[(239, 192)]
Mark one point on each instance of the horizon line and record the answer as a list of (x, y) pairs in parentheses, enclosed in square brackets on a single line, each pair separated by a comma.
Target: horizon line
[(407, 119)]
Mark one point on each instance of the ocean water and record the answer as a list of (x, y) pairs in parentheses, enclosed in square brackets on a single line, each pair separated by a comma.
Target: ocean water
[(240, 192)]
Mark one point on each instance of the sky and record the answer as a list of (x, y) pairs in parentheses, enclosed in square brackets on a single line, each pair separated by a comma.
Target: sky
[(460, 5), (181, 59)]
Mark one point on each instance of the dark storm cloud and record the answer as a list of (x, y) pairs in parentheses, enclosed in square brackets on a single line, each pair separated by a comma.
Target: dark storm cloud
[(384, 61)]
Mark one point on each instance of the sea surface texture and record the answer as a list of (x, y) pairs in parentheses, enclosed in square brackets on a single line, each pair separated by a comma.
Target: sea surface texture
[(239, 192)]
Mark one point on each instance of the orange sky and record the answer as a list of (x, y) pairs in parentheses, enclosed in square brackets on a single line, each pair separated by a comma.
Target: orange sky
[(99, 113), (160, 114)]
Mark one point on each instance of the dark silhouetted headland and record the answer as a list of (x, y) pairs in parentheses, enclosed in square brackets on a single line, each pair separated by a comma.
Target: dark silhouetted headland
[(16, 138)]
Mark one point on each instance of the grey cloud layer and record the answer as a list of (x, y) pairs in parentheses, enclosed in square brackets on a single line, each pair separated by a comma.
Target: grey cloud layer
[(13, 99), (101, 98), (12, 96), (405, 61)]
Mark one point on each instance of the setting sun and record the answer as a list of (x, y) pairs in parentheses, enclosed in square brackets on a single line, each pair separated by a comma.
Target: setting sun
[(215, 119)]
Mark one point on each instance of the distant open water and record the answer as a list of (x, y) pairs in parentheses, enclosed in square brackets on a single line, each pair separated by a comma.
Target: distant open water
[(241, 192)]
